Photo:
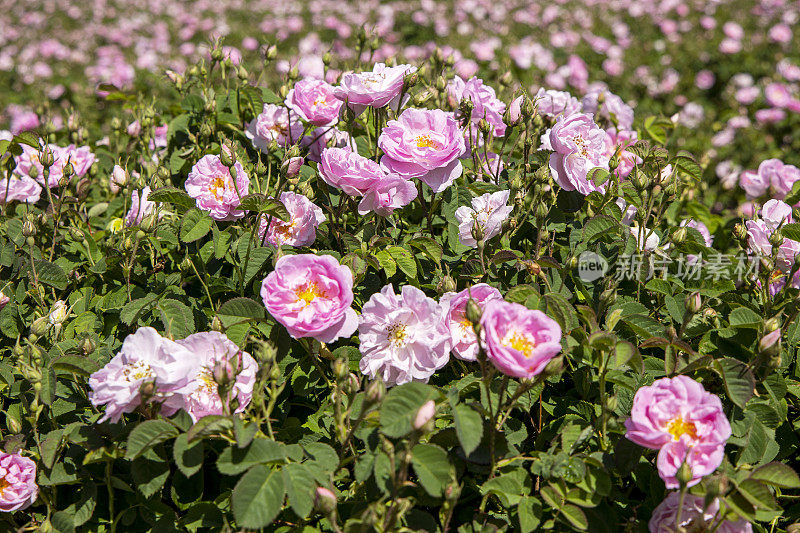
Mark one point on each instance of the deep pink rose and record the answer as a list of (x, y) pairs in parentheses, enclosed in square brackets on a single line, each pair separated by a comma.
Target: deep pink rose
[(348, 171), (519, 341), (424, 144), (311, 295), (314, 102), (387, 194)]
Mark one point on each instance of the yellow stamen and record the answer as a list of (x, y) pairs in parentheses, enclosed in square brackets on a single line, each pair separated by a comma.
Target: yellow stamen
[(425, 141), (397, 334), (309, 292), (678, 427), (521, 343)]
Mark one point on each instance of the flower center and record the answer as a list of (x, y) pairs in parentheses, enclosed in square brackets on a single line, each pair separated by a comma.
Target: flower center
[(371, 78), (3, 485), (425, 141), (397, 334), (521, 343), (678, 427), (581, 144), (137, 370), (217, 187), (309, 292)]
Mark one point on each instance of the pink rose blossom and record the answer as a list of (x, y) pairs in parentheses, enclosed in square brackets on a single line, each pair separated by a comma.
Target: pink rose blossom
[(145, 358), (484, 101), (402, 337), (774, 214), (462, 335), (387, 194), (780, 33), (321, 138), (140, 207), (314, 102), (701, 228), (200, 397), (612, 108), (684, 422), (777, 94), (80, 158), (378, 88), (310, 296), (348, 171), (754, 183), (301, 227), (28, 164), (770, 116), (22, 119), (488, 211), (618, 142), (552, 104), (579, 145), (695, 516), (424, 144), (704, 80), (19, 188), (275, 123), (18, 479), (519, 341), (781, 177), (211, 185)]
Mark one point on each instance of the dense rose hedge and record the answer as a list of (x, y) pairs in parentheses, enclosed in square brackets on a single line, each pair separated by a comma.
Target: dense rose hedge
[(388, 287)]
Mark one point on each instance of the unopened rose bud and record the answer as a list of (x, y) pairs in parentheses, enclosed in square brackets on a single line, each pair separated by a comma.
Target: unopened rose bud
[(326, 58), (425, 414), (28, 229), (684, 474), (216, 324), (447, 284), (291, 167), (422, 97), (776, 238), (46, 157), (484, 127), (185, 265), (223, 372), (554, 367), (325, 501), (267, 353), (694, 302), (40, 326), (770, 344), (340, 368), (227, 156), (118, 179), (216, 54), (58, 313), (477, 232), (527, 108), (14, 425), (740, 233), (352, 383), (134, 128), (147, 390), (87, 346), (272, 52), (410, 80), (375, 392), (242, 73), (680, 235), (473, 312), (514, 111), (293, 73)]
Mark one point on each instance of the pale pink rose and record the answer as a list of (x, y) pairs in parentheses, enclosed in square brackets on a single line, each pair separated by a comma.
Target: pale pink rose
[(387, 194), (730, 46), (28, 164), (695, 516), (424, 144), (117, 179), (18, 479), (754, 183), (4, 299), (145, 359), (20, 189), (612, 108), (770, 116), (424, 414), (484, 101), (212, 186), (300, 229), (781, 177), (310, 296), (378, 88), (777, 94), (134, 128), (200, 397), (22, 119), (733, 30), (788, 70), (780, 33), (552, 104), (314, 102), (646, 240), (140, 207), (747, 95), (579, 145), (704, 80), (275, 123), (519, 341), (402, 337), (462, 335), (488, 211), (773, 215), (465, 68), (348, 171), (701, 228), (684, 422)]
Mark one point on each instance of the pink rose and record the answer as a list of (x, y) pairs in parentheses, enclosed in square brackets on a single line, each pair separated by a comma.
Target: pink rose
[(519, 341), (310, 296), (773, 214), (484, 101), (579, 145), (387, 194), (378, 88), (695, 516), (488, 211), (612, 108), (19, 188), (314, 102), (754, 183), (200, 397), (424, 144), (348, 171), (781, 177), (462, 335), (424, 414), (145, 358), (402, 337), (780, 33), (18, 479), (140, 207), (684, 422), (618, 142), (117, 179), (211, 185), (275, 123), (28, 164), (552, 104), (80, 158), (300, 229), (777, 94)]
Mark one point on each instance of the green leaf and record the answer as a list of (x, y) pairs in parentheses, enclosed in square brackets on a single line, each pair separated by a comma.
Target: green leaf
[(76, 364), (239, 310), (387, 262), (146, 435), (429, 247), (233, 460), (686, 163), (777, 475), (208, 426), (401, 405), (742, 317), (261, 204), (405, 260), (130, 313), (509, 488), (177, 318), (575, 516), (792, 231), (794, 196), (757, 494), (469, 427), (598, 226), (258, 497), (432, 467), (171, 195), (188, 456), (49, 274), (738, 379), (529, 511), (195, 224), (300, 487)]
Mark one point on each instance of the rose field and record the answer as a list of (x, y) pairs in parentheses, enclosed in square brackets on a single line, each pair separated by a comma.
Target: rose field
[(412, 265)]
